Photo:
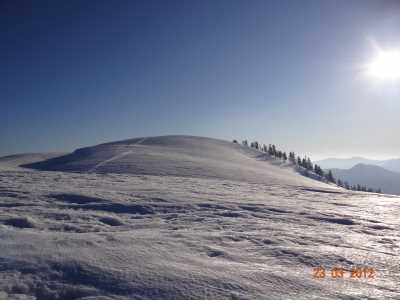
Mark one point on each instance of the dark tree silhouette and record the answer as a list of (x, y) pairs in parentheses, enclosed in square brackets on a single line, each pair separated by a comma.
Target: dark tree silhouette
[(284, 156), (330, 177), (318, 170), (307, 164), (292, 157)]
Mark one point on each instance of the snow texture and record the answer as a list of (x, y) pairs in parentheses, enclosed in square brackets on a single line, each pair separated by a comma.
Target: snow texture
[(200, 219)]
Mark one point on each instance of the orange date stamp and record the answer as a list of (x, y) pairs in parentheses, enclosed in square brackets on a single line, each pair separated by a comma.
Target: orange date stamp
[(357, 272)]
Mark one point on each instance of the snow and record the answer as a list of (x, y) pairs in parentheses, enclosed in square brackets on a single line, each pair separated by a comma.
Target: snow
[(13, 161), (255, 233), (186, 156)]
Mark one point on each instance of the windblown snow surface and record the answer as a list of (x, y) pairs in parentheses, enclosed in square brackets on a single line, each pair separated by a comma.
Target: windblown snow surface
[(187, 218)]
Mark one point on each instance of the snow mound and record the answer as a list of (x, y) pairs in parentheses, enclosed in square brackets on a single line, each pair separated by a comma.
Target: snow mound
[(184, 156)]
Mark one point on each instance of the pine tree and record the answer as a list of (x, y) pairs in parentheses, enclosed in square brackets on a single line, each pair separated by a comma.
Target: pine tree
[(309, 164), (235, 141), (284, 156), (318, 170), (292, 157), (330, 177), (245, 143), (304, 163), (270, 150), (273, 150)]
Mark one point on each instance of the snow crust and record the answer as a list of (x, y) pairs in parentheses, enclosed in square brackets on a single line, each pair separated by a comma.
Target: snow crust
[(94, 234)]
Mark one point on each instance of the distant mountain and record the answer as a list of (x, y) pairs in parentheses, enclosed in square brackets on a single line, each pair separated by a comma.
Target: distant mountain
[(391, 165), (345, 163), (371, 176)]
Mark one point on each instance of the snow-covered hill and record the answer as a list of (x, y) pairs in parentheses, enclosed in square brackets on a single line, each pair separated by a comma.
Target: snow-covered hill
[(115, 229), (14, 161), (187, 156)]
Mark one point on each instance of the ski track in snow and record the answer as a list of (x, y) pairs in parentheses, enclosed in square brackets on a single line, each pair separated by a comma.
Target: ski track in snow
[(118, 156)]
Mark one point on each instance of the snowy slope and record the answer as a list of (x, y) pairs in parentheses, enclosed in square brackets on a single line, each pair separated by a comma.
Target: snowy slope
[(99, 235), (179, 156), (13, 161)]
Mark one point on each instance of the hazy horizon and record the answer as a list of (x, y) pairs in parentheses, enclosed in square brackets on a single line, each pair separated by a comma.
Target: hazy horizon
[(290, 73)]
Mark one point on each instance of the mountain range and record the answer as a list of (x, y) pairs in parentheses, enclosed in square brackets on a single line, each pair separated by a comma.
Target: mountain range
[(347, 163), (371, 176), (376, 174)]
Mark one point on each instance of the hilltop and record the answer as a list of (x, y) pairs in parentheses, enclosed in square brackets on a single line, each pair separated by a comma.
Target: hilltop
[(175, 155)]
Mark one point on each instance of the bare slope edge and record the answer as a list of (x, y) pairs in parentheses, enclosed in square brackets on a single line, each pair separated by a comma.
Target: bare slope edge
[(175, 155)]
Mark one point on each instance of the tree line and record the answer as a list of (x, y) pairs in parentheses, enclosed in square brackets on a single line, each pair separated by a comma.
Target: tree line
[(307, 165)]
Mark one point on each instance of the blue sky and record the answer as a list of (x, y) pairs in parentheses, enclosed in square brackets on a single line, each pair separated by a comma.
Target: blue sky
[(78, 73)]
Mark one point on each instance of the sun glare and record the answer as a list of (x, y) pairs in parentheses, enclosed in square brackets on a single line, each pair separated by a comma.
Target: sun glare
[(386, 65)]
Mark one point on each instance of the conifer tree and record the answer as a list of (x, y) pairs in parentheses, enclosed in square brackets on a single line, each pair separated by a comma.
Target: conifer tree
[(292, 157), (284, 156), (309, 165), (270, 152), (318, 170), (330, 177), (304, 163)]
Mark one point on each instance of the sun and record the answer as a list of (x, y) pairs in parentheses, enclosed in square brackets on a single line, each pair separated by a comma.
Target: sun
[(386, 65)]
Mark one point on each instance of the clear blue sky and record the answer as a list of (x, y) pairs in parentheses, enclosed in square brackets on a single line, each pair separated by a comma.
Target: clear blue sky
[(77, 73)]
